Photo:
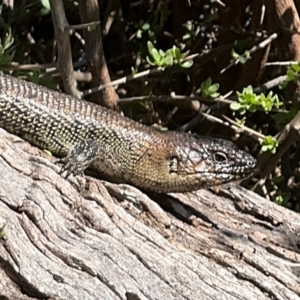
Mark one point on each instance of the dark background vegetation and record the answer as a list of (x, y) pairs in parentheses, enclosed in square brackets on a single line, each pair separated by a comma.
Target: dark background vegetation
[(235, 43)]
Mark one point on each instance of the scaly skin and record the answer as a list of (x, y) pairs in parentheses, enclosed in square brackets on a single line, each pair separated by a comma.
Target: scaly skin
[(87, 134)]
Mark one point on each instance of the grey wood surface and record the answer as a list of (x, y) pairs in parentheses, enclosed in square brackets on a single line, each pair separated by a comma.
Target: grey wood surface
[(84, 238)]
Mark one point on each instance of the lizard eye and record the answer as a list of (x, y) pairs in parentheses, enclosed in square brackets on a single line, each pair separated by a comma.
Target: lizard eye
[(220, 157)]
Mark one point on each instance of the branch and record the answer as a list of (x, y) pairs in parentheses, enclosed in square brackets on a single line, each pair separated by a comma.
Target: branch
[(64, 60), (93, 239), (133, 76), (261, 45), (89, 12)]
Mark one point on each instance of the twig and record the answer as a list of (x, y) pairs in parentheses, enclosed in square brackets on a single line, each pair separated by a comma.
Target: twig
[(172, 97), (219, 2), (230, 123), (270, 84), (251, 132), (17, 66), (261, 45), (78, 36), (282, 63), (122, 80), (131, 77), (82, 26), (262, 15), (64, 61), (257, 33), (286, 137), (110, 16)]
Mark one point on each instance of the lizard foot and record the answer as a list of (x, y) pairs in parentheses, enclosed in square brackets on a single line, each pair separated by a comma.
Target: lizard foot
[(79, 158)]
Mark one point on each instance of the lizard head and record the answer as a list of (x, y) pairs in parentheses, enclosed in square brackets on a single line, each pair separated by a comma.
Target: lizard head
[(204, 161)]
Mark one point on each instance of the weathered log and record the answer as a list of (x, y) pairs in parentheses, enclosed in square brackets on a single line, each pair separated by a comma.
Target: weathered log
[(84, 238)]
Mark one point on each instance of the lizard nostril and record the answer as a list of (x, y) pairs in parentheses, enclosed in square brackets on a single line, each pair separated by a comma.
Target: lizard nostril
[(251, 163)]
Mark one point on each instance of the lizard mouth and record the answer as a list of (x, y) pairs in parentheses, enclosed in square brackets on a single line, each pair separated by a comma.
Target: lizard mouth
[(227, 176)]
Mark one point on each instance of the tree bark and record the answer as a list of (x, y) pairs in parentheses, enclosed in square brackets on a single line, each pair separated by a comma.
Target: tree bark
[(283, 17), (64, 53), (84, 238), (89, 12)]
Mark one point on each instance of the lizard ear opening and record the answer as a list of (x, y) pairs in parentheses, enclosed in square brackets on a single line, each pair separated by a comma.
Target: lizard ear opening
[(173, 164), (220, 157)]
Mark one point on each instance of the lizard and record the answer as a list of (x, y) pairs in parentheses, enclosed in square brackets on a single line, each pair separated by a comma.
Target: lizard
[(85, 135)]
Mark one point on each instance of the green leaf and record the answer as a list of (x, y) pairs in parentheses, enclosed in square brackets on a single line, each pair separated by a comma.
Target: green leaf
[(139, 33), (185, 54), (91, 27), (151, 33), (241, 121), (176, 53), (150, 47), (145, 26), (206, 84), (248, 90), (161, 53), (269, 144), (235, 106), (167, 61), (208, 89), (46, 7), (212, 17), (213, 88), (133, 71), (9, 40), (187, 64), (245, 57), (277, 179), (150, 61), (168, 58), (251, 102), (292, 74), (214, 95), (155, 55), (169, 52), (187, 36), (4, 59), (265, 148), (234, 55), (46, 4), (283, 118)]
